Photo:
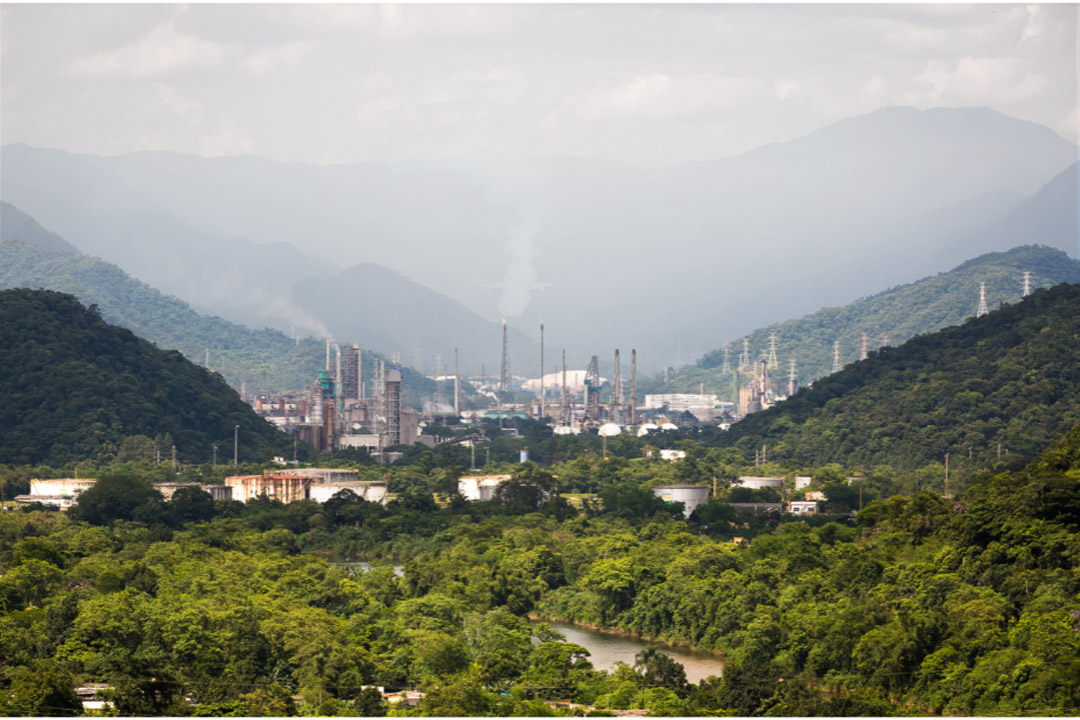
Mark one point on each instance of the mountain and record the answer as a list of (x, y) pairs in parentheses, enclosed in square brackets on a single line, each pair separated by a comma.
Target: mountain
[(74, 387), (899, 313), (17, 225), (1049, 217), (259, 359), (391, 311), (1006, 382), (608, 255)]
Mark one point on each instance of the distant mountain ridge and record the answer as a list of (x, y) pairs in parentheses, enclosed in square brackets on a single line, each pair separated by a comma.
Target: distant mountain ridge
[(260, 359), (1006, 382), (900, 313), (17, 225), (698, 251)]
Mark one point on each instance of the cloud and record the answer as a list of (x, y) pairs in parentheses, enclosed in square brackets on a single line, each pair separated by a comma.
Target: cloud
[(179, 104), (975, 81), (658, 95), (163, 51), (283, 57)]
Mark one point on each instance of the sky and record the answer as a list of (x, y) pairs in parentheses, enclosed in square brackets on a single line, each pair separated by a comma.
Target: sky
[(642, 84)]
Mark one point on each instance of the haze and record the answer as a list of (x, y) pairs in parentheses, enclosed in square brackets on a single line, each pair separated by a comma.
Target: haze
[(605, 167)]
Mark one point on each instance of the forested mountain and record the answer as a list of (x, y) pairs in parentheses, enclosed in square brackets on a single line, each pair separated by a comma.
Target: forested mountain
[(899, 313), (17, 225), (261, 359), (74, 387), (1010, 379)]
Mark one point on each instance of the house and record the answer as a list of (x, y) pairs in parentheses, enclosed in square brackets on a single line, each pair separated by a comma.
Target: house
[(805, 507)]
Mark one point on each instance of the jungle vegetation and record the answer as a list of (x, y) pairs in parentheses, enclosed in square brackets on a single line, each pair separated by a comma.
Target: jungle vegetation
[(964, 605)]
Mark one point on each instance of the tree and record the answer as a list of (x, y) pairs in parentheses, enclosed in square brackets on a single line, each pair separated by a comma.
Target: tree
[(191, 504), (659, 670), (117, 495), (44, 688)]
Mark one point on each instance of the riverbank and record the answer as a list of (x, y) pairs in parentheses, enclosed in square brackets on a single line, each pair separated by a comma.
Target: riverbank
[(619, 632)]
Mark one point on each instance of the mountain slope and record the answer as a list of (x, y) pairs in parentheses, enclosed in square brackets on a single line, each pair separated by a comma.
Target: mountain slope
[(701, 251), (1011, 377), (902, 312), (74, 387), (17, 225), (396, 314), (260, 359)]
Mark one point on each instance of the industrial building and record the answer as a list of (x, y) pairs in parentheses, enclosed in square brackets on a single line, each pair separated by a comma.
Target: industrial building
[(757, 483), (691, 496), (318, 484), (480, 487)]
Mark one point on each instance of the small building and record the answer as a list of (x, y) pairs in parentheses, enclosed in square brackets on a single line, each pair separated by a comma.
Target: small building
[(371, 492), (691, 496), (671, 455), (815, 495), (802, 481), (64, 487), (480, 487), (805, 507), (51, 502), (758, 507), (323, 475), (409, 697), (757, 483), (89, 695), (218, 492), (276, 486), (168, 489)]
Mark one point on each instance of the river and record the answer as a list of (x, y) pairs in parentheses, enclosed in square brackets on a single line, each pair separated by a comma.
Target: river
[(607, 648)]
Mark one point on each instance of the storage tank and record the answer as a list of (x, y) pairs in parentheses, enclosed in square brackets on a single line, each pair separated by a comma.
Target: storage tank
[(689, 495)]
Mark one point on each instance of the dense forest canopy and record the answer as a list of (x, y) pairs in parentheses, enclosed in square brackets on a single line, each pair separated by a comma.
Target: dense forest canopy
[(926, 605), (1011, 378), (74, 387)]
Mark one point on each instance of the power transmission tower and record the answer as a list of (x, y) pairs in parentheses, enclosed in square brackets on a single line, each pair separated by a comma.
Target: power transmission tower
[(773, 362), (1027, 283), (863, 351), (633, 387), (744, 359), (982, 301), (836, 356), (791, 378), (727, 365)]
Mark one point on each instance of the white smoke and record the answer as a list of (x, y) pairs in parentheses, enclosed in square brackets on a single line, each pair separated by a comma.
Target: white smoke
[(520, 279)]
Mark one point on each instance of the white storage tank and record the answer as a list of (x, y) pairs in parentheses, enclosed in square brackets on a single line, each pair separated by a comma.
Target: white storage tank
[(689, 495)]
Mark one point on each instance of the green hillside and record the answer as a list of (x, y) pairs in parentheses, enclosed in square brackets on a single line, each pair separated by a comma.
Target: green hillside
[(1011, 378), (260, 359), (74, 387), (902, 312)]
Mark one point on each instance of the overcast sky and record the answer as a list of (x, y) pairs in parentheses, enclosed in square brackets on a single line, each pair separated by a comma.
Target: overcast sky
[(638, 83)]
